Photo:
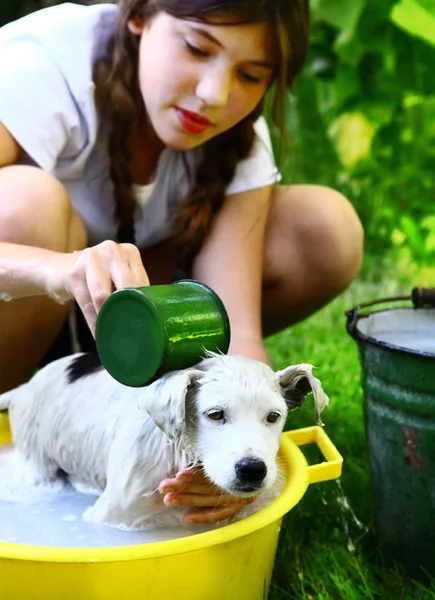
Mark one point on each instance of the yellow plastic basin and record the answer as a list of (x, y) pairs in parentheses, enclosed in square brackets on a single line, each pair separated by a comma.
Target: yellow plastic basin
[(231, 563)]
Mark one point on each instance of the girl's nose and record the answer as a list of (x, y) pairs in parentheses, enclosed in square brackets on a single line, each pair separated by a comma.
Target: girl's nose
[(214, 87)]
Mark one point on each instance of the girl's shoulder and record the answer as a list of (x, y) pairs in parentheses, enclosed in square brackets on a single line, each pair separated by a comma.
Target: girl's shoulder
[(66, 30), (259, 168), (46, 61)]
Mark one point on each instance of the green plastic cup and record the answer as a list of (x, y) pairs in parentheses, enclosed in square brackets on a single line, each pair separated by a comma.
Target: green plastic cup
[(142, 333)]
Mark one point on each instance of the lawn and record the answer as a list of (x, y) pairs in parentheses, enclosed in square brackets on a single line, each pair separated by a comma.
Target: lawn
[(328, 548)]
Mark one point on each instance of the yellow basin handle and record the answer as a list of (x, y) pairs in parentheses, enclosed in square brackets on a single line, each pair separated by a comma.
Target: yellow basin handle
[(331, 469), (5, 432)]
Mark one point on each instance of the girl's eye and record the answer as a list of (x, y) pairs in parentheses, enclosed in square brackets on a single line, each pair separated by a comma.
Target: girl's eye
[(216, 415), (195, 50), (249, 78), (273, 417)]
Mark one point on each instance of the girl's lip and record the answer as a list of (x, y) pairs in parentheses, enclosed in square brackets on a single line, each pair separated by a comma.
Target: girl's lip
[(192, 122), (195, 116)]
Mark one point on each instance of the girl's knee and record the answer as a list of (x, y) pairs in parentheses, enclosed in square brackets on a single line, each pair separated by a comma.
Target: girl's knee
[(40, 214), (344, 233), (337, 231), (321, 230)]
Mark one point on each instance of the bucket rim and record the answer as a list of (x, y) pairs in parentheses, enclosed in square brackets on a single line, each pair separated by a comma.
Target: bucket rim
[(297, 482), (352, 328)]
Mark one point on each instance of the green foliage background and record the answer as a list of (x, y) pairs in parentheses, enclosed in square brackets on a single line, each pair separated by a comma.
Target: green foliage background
[(362, 116)]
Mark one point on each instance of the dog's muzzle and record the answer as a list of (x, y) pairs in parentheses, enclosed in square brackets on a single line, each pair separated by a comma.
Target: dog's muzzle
[(250, 474)]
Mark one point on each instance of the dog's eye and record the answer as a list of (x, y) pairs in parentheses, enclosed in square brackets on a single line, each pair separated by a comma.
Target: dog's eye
[(216, 415), (273, 417)]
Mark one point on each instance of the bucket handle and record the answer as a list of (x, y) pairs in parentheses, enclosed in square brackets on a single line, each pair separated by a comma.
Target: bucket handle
[(331, 469)]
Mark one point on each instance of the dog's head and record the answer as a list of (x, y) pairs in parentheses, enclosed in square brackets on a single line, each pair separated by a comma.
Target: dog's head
[(232, 410)]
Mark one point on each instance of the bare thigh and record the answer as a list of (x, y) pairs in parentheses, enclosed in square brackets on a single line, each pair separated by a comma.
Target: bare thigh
[(313, 251)]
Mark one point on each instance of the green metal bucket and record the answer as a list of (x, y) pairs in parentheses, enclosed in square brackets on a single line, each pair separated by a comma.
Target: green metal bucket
[(397, 355)]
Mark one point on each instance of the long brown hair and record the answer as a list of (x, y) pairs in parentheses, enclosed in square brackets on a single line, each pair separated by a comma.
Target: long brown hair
[(121, 106)]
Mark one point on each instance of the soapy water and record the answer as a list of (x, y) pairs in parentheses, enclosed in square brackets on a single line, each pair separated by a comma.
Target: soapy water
[(404, 328), (5, 297), (51, 514)]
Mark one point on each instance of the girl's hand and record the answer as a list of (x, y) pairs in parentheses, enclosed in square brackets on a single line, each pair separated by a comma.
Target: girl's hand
[(91, 275), (191, 487)]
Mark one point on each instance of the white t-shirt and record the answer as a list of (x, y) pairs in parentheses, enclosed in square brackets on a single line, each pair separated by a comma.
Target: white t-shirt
[(47, 104)]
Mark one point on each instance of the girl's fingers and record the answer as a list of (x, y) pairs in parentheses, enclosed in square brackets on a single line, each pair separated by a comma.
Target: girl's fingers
[(200, 500), (135, 263), (91, 285), (174, 485), (101, 269), (211, 515), (79, 288), (119, 259), (193, 475), (98, 278)]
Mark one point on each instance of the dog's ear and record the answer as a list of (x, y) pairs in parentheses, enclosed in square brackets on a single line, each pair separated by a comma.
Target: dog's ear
[(165, 400), (296, 382)]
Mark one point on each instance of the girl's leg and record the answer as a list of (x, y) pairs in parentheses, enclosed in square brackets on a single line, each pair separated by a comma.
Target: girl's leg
[(313, 251), (34, 211)]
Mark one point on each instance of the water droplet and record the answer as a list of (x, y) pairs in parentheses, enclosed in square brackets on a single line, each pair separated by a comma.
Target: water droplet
[(346, 512)]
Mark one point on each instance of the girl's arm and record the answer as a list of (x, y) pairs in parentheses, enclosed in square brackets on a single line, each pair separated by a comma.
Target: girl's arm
[(87, 275), (231, 263)]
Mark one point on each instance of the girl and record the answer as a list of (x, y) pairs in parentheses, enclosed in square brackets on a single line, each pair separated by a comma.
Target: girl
[(131, 143)]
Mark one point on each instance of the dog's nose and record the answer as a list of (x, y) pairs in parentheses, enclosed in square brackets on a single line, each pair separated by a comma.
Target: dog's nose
[(251, 469)]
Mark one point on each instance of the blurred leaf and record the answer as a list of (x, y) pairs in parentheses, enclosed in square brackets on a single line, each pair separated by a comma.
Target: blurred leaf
[(378, 113), (346, 84), (413, 235), (352, 135), (430, 244), (343, 14), (398, 237), (429, 223), (416, 17)]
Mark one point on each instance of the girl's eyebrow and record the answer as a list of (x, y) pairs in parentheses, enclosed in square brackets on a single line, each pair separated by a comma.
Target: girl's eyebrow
[(204, 33)]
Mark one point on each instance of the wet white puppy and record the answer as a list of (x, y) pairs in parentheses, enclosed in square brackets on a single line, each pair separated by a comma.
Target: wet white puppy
[(226, 413)]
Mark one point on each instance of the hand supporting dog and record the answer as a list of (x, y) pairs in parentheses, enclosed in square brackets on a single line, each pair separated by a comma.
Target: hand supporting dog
[(191, 487)]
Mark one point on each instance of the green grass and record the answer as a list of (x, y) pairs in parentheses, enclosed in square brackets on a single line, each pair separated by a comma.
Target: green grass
[(328, 548)]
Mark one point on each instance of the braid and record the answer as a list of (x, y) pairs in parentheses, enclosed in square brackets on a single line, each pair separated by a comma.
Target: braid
[(117, 99), (221, 156)]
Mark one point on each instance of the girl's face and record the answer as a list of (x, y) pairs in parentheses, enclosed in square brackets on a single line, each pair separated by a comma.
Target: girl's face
[(198, 80)]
